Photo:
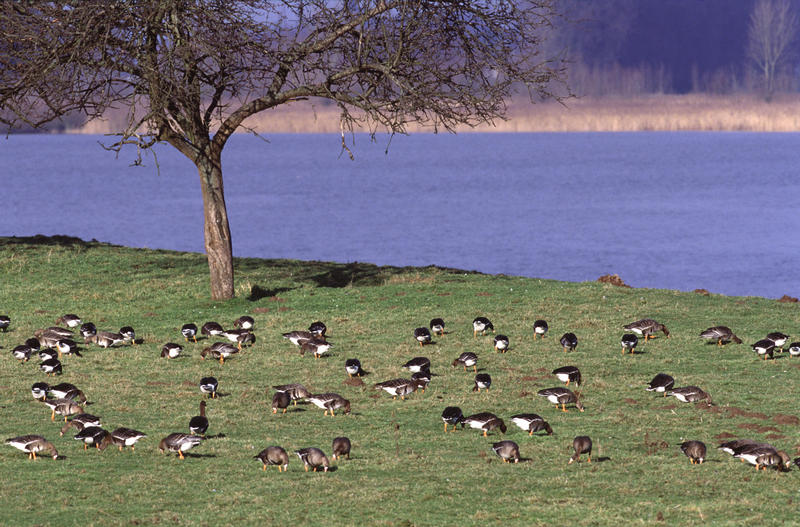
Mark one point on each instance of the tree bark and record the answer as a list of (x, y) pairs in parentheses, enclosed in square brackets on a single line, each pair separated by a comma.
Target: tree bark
[(219, 248)]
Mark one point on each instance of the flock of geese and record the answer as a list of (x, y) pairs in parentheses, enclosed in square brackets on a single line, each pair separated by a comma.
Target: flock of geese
[(68, 401)]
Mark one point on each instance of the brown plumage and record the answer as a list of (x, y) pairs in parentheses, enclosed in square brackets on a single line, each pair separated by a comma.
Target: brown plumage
[(280, 401), (507, 450), (274, 455), (722, 334), (341, 447), (695, 451), (581, 445)]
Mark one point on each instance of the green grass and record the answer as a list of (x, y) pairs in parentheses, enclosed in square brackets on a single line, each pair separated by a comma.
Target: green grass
[(404, 470)]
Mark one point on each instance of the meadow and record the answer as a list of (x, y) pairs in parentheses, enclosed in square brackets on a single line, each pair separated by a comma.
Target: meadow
[(404, 470)]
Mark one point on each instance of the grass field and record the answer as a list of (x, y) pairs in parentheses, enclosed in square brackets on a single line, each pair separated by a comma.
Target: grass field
[(404, 470)]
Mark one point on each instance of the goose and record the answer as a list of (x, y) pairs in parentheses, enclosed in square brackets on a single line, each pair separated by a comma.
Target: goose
[(330, 402), (763, 455), (209, 385), (67, 347), (33, 343), (48, 338), (562, 396), (128, 334), (423, 336), (122, 437), (437, 326), (646, 327), (531, 423), (274, 455), (105, 339), (189, 331), (738, 445), (64, 333), (397, 387), (51, 367), (5, 321), (501, 343), (69, 320), (661, 383), (581, 445), (421, 379), (48, 354), (22, 353), (280, 401), (66, 390), (314, 458), (695, 451), (65, 407), (92, 435), (211, 329), (219, 350), (794, 349), (352, 367), (244, 322), (239, 336), (722, 334), (316, 346), (198, 425), (567, 374), (507, 450), (690, 394), (485, 421), (452, 415), (779, 339), (298, 338), (170, 350), (39, 390), (32, 444), (318, 329), (764, 348), (467, 359), (295, 391), (482, 380), (88, 330), (481, 325), (341, 447), (418, 364), (179, 442), (540, 329), (80, 421), (569, 342), (629, 342)]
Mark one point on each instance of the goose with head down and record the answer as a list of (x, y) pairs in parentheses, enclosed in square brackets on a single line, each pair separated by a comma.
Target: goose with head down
[(722, 334), (32, 444), (661, 383), (314, 458), (507, 450), (485, 421), (690, 394), (562, 396), (179, 442), (274, 455), (695, 451), (330, 402), (531, 423), (647, 327)]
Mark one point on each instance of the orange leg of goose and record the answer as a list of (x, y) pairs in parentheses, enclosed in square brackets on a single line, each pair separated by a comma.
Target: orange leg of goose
[(590, 458), (563, 407), (265, 468), (476, 368), (284, 410), (484, 433), (306, 468), (120, 448), (53, 417), (34, 455), (180, 454)]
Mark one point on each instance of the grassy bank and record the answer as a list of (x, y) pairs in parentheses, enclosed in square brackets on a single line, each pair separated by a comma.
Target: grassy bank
[(404, 470)]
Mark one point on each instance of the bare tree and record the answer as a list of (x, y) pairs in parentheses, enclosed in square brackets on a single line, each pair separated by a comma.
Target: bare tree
[(772, 30), (189, 72)]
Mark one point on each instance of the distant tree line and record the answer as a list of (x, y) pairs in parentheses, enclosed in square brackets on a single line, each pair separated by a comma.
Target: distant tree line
[(629, 47)]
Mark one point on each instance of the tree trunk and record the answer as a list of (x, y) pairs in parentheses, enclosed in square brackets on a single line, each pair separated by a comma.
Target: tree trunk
[(217, 230)]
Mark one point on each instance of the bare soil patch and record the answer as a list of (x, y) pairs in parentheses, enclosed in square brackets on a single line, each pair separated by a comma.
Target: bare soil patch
[(612, 279), (783, 419)]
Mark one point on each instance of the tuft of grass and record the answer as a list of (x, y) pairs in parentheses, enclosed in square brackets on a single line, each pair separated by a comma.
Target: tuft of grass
[(404, 470)]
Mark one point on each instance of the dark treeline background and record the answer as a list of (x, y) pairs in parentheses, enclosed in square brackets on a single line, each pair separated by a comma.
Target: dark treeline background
[(626, 47)]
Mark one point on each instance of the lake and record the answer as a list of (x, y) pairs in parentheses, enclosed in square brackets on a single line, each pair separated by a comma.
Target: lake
[(663, 210)]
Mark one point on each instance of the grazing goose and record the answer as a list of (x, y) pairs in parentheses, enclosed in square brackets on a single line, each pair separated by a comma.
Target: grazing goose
[(33, 344), (280, 401), (779, 339), (423, 336), (63, 333), (122, 437), (239, 336), (314, 458), (722, 334), (69, 320), (330, 402), (341, 447), (567, 374), (66, 390), (646, 327), (695, 451), (452, 415), (540, 329), (418, 364), (421, 379), (794, 349), (92, 435), (88, 330), (5, 321), (210, 329), (198, 425), (65, 407), (22, 353), (33, 444), (67, 347), (467, 359), (48, 338), (295, 391), (209, 385), (569, 342), (79, 422), (562, 396), (481, 325), (298, 338), (170, 350), (189, 331), (39, 390), (397, 387), (47, 354), (316, 346), (244, 322), (437, 326), (105, 339), (629, 342), (763, 455), (507, 450), (738, 445), (581, 445), (352, 367), (128, 334), (482, 380), (501, 343), (764, 348), (661, 383), (531, 423), (219, 350), (690, 394), (318, 329), (51, 367), (485, 421), (179, 442), (274, 455)]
